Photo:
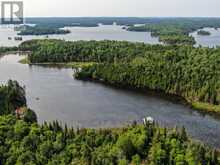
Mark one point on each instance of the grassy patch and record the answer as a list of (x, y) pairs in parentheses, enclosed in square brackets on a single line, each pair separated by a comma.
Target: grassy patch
[(24, 61), (79, 64), (67, 65), (206, 107)]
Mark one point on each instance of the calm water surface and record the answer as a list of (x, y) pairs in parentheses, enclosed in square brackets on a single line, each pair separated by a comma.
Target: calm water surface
[(93, 105), (109, 32), (212, 40)]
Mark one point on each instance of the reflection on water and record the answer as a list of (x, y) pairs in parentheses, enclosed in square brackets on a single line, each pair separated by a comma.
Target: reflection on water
[(88, 104)]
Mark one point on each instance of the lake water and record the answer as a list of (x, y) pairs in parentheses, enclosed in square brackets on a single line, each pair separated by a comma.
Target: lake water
[(88, 104), (109, 32), (212, 40)]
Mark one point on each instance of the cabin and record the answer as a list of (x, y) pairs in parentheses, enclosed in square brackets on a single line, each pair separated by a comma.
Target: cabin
[(19, 112)]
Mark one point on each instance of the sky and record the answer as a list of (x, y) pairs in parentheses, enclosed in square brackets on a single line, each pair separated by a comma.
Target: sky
[(123, 8)]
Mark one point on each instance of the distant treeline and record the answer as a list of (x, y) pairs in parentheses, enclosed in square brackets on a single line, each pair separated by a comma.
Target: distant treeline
[(68, 21), (192, 73)]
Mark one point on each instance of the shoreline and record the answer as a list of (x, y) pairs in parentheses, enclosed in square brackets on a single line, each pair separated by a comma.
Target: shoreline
[(202, 107), (65, 65)]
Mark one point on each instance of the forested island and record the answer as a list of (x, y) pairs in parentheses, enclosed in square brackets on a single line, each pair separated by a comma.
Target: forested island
[(177, 40), (168, 33), (7, 49), (23, 141), (184, 71), (203, 33), (37, 30), (84, 25), (175, 29)]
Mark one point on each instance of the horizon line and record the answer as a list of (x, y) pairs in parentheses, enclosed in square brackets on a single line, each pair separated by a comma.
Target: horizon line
[(122, 17)]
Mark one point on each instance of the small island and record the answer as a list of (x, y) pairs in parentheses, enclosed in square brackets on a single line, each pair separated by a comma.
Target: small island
[(84, 25), (203, 33), (40, 30)]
